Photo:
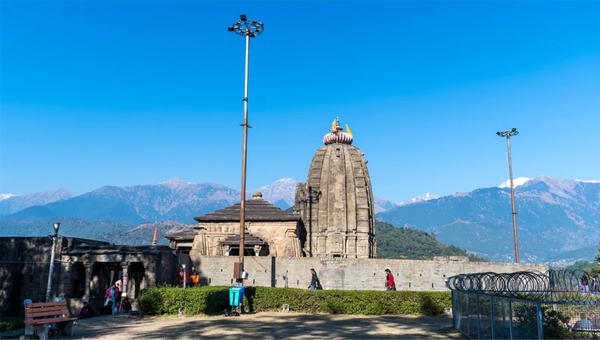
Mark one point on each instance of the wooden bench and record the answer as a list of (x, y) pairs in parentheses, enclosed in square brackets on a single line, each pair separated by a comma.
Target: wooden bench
[(40, 315)]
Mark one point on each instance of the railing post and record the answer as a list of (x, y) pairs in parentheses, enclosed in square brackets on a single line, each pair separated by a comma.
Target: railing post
[(510, 325), (478, 317), (492, 315), (503, 313), (539, 321), (468, 316)]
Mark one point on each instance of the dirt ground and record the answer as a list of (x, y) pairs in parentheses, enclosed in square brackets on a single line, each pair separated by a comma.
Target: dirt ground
[(267, 326)]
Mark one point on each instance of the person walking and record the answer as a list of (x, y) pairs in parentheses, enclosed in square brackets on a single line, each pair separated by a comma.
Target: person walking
[(390, 284), (314, 281)]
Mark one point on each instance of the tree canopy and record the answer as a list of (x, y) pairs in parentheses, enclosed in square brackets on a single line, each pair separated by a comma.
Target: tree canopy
[(413, 244)]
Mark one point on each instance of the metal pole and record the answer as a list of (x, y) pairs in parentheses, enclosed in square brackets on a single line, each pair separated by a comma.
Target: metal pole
[(512, 196), (49, 288), (492, 318), (478, 318), (540, 321), (510, 320), (244, 156)]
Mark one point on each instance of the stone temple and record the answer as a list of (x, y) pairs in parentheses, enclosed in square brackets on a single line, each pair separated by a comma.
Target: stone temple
[(335, 204)]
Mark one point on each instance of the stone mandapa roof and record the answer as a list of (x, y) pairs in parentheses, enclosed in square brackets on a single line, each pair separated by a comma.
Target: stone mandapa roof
[(257, 209), (249, 240), (186, 235)]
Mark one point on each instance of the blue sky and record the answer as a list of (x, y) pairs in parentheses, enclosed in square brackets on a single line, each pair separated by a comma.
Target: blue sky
[(127, 93)]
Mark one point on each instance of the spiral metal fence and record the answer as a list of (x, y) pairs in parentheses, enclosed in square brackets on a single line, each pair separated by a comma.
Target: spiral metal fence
[(525, 305)]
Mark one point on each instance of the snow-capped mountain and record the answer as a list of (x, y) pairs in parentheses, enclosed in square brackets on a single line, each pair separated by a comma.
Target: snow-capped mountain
[(14, 203), (557, 219), (173, 200), (427, 197), (516, 182), (281, 193), (382, 204), (590, 181), (5, 196)]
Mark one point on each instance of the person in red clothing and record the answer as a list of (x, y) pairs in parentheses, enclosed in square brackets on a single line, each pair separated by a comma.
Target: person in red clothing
[(182, 275), (389, 280)]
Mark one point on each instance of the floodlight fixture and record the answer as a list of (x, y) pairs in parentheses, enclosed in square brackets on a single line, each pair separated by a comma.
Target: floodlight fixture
[(245, 27)]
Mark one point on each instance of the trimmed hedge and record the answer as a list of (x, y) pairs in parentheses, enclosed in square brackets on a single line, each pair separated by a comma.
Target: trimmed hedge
[(168, 300), (211, 300)]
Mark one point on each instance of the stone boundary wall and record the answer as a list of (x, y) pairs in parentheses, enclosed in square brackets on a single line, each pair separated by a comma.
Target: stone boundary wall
[(348, 274)]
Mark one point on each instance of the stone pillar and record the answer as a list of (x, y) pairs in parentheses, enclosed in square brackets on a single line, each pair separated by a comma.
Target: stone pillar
[(65, 281), (89, 266), (125, 279)]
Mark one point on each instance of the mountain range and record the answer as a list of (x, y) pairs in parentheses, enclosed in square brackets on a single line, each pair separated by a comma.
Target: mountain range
[(173, 200), (558, 220), (10, 204)]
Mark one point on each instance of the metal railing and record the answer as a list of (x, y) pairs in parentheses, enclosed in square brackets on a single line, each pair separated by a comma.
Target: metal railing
[(525, 305)]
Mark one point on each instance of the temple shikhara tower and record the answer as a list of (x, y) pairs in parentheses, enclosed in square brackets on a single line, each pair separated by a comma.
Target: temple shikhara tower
[(335, 204)]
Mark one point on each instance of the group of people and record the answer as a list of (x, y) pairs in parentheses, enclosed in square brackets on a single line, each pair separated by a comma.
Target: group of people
[(315, 283), (587, 323), (590, 286), (191, 279), (116, 302)]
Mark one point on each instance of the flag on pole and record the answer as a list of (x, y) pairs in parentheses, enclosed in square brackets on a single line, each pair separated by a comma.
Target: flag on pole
[(348, 130)]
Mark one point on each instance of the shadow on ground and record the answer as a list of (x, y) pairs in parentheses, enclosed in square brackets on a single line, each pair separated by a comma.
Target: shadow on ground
[(271, 326)]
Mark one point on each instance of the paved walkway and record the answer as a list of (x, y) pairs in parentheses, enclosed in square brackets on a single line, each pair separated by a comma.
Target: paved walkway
[(268, 326)]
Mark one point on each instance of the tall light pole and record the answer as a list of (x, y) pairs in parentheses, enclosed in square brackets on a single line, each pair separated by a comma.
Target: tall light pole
[(49, 288), (249, 29), (508, 134)]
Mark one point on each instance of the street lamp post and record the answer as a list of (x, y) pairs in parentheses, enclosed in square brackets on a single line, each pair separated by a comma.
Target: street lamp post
[(249, 29), (49, 288), (508, 134)]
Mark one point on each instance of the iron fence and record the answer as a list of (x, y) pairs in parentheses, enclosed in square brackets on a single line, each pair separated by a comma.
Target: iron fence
[(525, 305)]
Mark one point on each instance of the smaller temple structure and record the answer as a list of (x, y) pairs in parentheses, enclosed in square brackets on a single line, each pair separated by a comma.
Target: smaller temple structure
[(270, 231)]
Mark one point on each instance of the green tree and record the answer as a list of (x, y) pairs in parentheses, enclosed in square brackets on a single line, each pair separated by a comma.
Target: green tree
[(414, 244)]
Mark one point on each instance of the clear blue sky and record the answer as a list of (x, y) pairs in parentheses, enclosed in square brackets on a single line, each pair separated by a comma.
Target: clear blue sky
[(127, 93)]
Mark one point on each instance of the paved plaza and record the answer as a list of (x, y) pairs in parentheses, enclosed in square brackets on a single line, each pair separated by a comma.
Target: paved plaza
[(268, 326)]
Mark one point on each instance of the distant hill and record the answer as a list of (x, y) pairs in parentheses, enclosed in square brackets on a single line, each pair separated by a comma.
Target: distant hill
[(10, 204), (281, 193), (174, 200), (109, 231), (382, 204), (558, 220), (413, 244)]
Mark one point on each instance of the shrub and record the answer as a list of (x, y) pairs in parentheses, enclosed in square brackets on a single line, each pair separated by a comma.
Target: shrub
[(210, 300), (8, 323), (348, 301), (192, 301)]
